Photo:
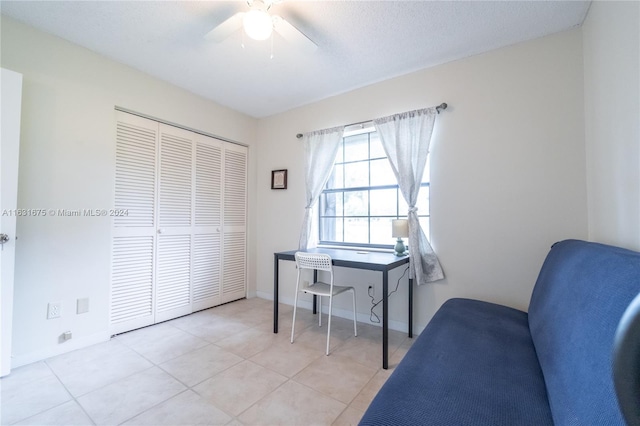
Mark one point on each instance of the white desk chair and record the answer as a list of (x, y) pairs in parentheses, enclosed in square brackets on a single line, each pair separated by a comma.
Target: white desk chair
[(320, 262)]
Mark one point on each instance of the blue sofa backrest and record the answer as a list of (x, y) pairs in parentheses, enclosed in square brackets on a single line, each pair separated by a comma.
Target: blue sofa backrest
[(580, 295)]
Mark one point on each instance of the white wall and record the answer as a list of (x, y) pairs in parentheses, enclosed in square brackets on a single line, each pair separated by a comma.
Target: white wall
[(612, 116), (508, 171), (67, 162)]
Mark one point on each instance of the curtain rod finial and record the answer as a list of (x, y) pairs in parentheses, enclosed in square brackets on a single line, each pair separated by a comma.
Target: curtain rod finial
[(441, 106), (299, 135)]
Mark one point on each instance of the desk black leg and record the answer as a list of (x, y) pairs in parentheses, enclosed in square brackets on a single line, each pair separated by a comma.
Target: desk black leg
[(315, 298), (385, 320), (410, 308), (275, 293)]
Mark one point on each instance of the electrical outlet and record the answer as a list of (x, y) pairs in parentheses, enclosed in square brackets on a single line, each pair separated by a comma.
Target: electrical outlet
[(54, 310)]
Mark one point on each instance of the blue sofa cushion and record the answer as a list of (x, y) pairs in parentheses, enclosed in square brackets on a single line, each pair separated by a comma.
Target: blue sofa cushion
[(580, 295), (474, 364)]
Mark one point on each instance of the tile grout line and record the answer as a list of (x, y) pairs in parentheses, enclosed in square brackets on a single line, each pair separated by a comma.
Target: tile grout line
[(259, 326), (73, 397), (188, 388), (263, 397)]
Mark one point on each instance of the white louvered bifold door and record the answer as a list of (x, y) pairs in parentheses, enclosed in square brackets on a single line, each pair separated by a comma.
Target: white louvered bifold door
[(133, 244), (234, 244), (182, 246), (207, 223), (175, 195)]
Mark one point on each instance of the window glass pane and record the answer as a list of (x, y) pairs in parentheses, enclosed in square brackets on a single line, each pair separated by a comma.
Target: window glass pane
[(340, 155), (422, 204), (423, 201), (321, 204), (403, 207), (356, 174), (381, 173), (356, 230), (383, 202), (427, 171), (356, 203), (377, 151), (331, 230), (331, 204), (335, 179), (356, 147), (381, 231)]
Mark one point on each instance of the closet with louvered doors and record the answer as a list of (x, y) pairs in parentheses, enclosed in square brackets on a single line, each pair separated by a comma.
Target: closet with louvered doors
[(182, 246)]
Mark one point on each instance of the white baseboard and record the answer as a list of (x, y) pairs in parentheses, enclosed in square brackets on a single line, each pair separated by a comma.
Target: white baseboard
[(61, 348), (82, 342), (343, 313)]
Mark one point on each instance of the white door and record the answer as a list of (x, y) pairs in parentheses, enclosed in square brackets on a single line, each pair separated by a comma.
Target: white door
[(134, 234), (207, 242), (234, 244), (182, 246), (189, 206), (175, 195), (11, 94)]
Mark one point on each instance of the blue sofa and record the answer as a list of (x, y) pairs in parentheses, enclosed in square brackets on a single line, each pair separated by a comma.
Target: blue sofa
[(478, 363)]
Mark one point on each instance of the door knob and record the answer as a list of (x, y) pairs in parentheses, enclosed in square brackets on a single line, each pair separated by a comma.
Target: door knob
[(3, 239)]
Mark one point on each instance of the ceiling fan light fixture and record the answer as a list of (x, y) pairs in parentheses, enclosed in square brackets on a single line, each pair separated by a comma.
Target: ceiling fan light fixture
[(257, 24)]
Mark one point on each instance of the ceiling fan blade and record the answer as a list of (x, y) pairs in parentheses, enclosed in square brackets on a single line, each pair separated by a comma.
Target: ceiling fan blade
[(293, 35), (225, 29)]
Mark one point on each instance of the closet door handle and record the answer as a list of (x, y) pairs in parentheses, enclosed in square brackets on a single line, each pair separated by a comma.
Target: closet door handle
[(160, 230)]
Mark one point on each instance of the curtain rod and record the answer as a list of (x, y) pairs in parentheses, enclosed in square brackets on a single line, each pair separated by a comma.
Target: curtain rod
[(442, 106)]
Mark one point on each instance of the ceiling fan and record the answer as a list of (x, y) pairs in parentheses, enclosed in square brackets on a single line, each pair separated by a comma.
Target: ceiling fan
[(258, 24)]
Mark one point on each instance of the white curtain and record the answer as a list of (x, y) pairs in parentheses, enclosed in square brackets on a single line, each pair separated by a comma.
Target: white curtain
[(406, 138), (320, 149)]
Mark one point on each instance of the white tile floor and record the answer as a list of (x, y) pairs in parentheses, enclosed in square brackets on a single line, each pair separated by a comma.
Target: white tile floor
[(222, 366)]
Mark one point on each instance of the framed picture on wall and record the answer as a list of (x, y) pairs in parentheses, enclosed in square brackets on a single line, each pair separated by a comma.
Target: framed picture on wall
[(279, 179)]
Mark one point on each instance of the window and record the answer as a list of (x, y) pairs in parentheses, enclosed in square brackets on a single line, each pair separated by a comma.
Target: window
[(362, 197)]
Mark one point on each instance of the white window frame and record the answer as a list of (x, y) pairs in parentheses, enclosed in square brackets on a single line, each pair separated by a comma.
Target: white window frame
[(423, 214)]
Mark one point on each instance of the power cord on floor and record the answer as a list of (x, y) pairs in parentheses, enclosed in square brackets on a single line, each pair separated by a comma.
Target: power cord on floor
[(374, 303)]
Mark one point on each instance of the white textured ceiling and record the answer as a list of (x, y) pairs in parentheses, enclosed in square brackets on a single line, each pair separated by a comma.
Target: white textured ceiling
[(359, 42)]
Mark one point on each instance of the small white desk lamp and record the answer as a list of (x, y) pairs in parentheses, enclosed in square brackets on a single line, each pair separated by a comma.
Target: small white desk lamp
[(400, 229)]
